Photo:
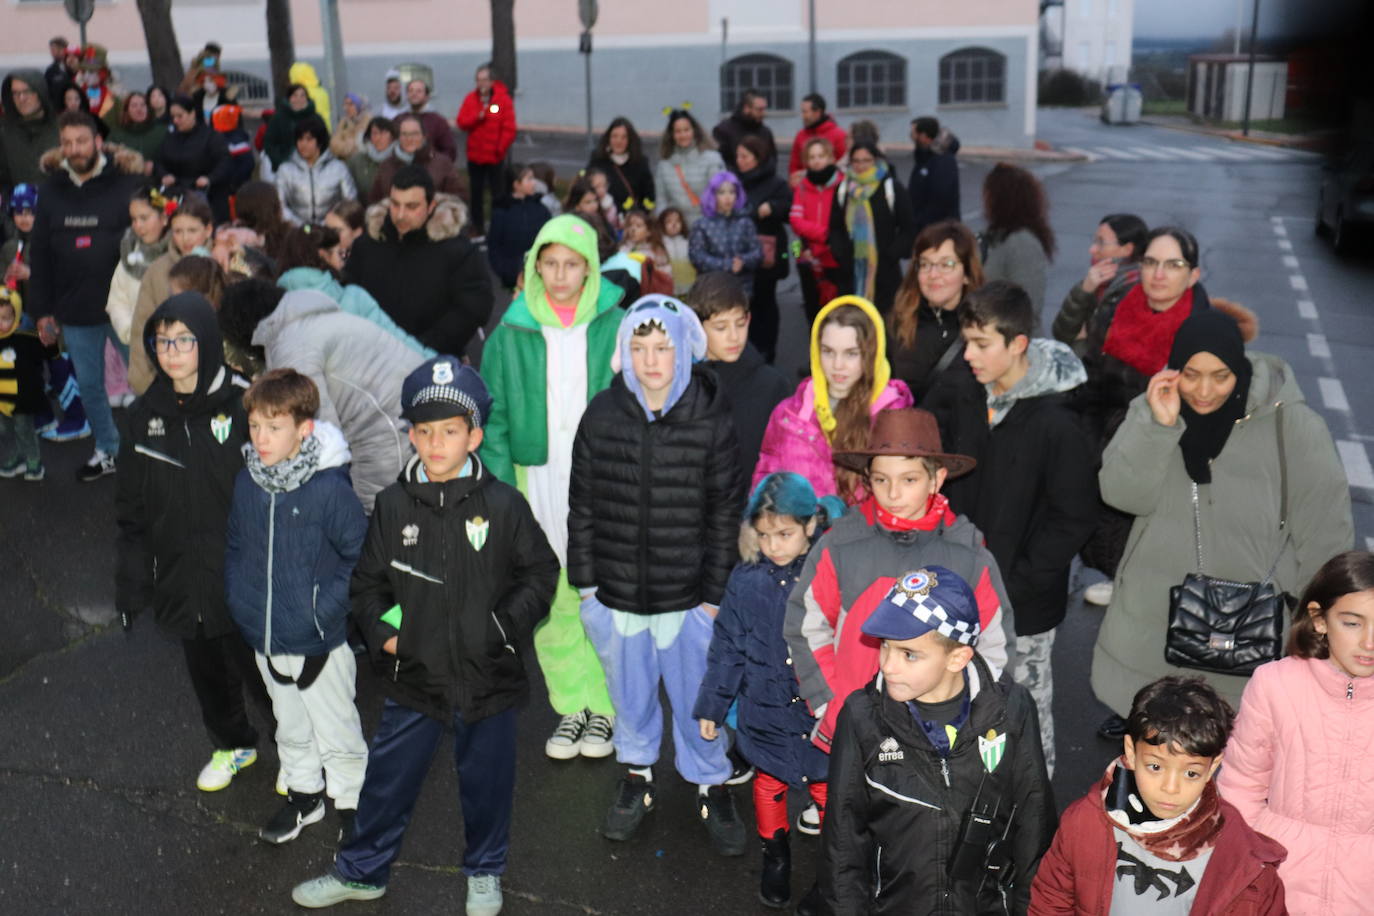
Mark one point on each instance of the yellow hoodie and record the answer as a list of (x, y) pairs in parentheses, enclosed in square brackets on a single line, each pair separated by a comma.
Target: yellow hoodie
[(882, 372), (303, 73)]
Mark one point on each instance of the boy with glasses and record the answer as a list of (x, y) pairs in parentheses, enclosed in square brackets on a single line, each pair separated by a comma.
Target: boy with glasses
[(183, 450)]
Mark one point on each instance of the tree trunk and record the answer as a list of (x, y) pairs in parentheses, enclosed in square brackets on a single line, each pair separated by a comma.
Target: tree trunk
[(281, 44), (503, 42), (163, 53)]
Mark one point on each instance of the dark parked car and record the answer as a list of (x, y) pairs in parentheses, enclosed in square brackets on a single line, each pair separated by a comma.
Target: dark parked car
[(1345, 204)]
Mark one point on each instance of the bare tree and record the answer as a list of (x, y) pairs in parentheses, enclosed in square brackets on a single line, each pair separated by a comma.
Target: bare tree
[(281, 44), (503, 42), (163, 53)]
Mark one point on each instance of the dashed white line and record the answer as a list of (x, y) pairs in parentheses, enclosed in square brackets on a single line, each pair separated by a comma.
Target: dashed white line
[(1285, 245), (1112, 152), (1333, 394), (1318, 346), (1298, 282), (1290, 262), (1307, 309), (1356, 461), (1280, 229), (1151, 153)]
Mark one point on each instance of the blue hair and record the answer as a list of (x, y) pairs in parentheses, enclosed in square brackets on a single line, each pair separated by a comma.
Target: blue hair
[(791, 494)]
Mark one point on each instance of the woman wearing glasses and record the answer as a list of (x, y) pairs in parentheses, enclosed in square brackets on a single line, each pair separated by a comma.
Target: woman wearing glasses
[(923, 330)]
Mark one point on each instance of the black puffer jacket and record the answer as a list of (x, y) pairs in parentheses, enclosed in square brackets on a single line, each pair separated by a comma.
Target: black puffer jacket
[(472, 573), (653, 519), (895, 805), (177, 466)]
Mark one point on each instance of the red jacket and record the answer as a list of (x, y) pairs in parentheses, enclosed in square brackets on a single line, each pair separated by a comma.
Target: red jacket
[(826, 128), (490, 130), (810, 218), (1077, 874)]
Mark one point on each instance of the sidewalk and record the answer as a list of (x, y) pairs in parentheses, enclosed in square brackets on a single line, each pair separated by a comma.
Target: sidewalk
[(1313, 141)]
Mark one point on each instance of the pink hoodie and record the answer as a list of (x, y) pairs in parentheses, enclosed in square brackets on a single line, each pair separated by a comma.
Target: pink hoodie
[(1300, 768), (794, 441)]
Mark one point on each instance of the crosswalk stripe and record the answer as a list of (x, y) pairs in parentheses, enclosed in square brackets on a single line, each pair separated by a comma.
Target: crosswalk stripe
[(1112, 152), (1151, 153), (1238, 155), (1187, 153), (1081, 152), (1265, 152)]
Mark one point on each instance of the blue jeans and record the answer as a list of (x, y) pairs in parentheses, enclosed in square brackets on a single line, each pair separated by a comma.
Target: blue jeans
[(86, 346), (397, 763)]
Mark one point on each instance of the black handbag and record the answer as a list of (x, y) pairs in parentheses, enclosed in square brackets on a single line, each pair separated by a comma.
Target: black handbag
[(1226, 627)]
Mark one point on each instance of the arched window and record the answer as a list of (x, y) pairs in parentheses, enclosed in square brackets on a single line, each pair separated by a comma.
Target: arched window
[(767, 73), (871, 79), (973, 76)]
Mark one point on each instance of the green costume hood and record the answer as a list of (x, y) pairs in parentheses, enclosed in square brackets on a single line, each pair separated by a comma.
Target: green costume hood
[(576, 234)]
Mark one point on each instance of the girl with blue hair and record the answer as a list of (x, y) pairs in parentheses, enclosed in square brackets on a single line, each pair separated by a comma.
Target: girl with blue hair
[(748, 660), (725, 238)]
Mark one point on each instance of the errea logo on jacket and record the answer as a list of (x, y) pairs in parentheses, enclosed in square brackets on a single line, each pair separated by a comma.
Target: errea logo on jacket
[(410, 535), (889, 751)]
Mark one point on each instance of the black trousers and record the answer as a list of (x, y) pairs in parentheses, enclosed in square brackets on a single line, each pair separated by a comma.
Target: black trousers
[(763, 311), (220, 668), (482, 178)]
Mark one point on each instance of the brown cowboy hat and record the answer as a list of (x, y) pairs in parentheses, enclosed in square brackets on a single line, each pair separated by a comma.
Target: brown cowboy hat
[(910, 433)]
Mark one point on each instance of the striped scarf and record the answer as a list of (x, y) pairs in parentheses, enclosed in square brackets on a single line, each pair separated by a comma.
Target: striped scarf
[(858, 219)]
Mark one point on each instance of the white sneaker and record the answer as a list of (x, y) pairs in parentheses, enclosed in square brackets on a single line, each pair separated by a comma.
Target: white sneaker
[(563, 743), (1099, 593), (809, 821), (596, 737), (484, 895), (223, 766)]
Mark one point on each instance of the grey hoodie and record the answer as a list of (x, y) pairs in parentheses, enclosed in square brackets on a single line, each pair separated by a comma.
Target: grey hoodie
[(1054, 368)]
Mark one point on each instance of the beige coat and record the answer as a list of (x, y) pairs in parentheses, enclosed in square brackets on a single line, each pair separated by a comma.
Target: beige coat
[(153, 292)]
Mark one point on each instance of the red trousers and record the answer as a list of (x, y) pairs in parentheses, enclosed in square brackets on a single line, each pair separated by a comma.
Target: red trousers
[(770, 803)]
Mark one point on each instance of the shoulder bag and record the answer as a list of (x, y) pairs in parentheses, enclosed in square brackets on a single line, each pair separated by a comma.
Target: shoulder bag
[(1226, 627)]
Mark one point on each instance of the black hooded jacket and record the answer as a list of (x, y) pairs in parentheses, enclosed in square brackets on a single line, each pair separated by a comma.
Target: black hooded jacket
[(893, 817), (754, 388), (24, 140), (471, 573), (177, 465), (653, 508)]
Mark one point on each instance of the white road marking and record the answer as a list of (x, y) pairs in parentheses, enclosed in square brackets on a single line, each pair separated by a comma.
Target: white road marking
[(1307, 309), (1285, 245), (1151, 153), (1238, 155), (1356, 460), (1298, 282), (1333, 394), (1091, 157), (1112, 152), (1318, 346), (1188, 153), (1280, 229), (1265, 152), (1290, 262)]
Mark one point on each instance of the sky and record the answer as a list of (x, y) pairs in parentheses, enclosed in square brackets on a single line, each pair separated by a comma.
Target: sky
[(1212, 18)]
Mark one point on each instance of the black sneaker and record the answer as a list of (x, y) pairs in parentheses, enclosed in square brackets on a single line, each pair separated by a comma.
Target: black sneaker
[(99, 466), (741, 770), (717, 811), (300, 810), (346, 818), (634, 798)]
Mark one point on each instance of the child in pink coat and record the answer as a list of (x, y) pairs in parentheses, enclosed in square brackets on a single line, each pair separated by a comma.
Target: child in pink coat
[(1298, 765), (833, 409)]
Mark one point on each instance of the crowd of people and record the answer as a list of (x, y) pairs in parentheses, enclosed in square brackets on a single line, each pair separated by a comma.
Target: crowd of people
[(848, 586)]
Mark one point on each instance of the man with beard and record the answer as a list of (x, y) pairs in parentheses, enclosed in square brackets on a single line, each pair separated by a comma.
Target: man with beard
[(815, 123), (395, 102), (746, 120), (83, 210)]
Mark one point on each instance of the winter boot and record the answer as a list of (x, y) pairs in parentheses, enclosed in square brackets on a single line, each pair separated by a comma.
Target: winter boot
[(775, 884)]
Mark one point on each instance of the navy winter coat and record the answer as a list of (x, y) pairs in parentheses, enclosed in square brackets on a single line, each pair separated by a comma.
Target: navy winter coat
[(515, 223), (290, 556), (749, 660), (715, 241)]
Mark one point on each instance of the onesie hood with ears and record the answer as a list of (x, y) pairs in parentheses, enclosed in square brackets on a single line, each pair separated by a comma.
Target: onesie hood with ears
[(577, 234), (882, 372), (195, 311), (683, 328)]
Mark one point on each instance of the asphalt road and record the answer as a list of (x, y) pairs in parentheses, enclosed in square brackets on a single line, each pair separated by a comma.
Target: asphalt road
[(97, 795)]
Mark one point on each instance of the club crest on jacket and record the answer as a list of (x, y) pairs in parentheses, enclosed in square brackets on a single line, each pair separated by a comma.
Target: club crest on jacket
[(156, 427), (220, 426), (991, 747), (477, 531)]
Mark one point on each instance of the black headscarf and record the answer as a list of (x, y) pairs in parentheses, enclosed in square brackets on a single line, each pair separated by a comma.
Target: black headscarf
[(1215, 332)]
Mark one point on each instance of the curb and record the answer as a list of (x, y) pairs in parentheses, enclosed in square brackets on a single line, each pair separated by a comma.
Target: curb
[(1306, 142)]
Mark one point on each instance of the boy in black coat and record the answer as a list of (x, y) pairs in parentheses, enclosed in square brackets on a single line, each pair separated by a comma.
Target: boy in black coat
[(753, 385), (1034, 492), (183, 450), (653, 520), (453, 577), (938, 792)]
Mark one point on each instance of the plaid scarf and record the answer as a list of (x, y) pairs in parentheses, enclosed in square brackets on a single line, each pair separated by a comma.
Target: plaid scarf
[(858, 219), (287, 474)]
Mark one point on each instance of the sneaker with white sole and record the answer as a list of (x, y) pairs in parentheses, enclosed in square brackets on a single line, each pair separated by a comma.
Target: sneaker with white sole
[(34, 473), (100, 465), (741, 770), (809, 821), (484, 895), (223, 767), (1099, 593), (563, 743), (596, 737), (67, 432), (300, 811), (327, 890)]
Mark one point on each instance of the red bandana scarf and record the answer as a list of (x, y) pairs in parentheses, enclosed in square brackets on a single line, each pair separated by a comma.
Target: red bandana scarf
[(937, 513), (1141, 337)]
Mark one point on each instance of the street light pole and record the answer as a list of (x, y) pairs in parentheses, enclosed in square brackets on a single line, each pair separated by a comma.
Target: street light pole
[(1250, 74), (335, 75), (811, 43)]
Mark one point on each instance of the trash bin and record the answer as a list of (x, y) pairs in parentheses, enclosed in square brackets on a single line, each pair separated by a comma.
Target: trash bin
[(1123, 104)]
